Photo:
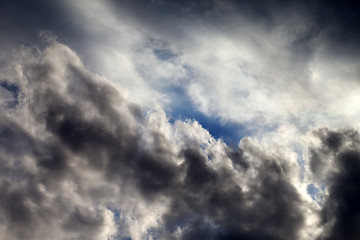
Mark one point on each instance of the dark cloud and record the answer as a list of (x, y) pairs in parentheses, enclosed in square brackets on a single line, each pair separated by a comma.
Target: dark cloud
[(83, 125), (83, 221), (211, 203), (340, 212), (341, 21), (78, 160), (237, 157)]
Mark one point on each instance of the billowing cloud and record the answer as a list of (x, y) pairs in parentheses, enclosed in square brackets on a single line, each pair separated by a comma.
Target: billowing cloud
[(179, 120), (81, 161)]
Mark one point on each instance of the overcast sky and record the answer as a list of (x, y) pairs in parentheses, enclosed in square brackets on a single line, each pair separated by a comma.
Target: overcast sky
[(160, 119)]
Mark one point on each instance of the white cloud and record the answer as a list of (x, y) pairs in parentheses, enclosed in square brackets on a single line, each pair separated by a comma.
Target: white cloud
[(243, 71)]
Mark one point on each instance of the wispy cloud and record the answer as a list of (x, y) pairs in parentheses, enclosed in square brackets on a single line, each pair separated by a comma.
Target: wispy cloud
[(244, 63)]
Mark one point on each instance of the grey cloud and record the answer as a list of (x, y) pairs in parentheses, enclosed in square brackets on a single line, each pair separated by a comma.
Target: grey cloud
[(340, 211), (268, 210), (82, 126), (71, 144), (237, 157), (341, 21)]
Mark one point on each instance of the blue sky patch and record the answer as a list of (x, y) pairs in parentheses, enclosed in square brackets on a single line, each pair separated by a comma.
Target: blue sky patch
[(164, 54), (182, 108), (14, 90)]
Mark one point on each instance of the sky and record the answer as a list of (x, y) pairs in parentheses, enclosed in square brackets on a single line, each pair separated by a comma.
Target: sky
[(187, 120)]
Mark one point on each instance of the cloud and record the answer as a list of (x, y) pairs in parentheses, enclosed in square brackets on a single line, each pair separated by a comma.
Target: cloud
[(84, 157), (279, 65), (79, 160), (335, 163), (268, 69)]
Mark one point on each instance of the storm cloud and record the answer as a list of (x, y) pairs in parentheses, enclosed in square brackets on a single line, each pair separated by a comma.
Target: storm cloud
[(88, 151), (335, 163), (179, 120)]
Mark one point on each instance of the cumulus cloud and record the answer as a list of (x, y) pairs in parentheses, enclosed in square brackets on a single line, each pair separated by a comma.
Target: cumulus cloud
[(80, 161), (91, 146)]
